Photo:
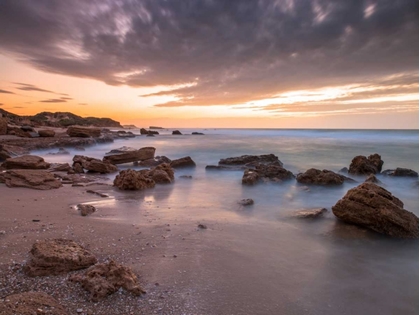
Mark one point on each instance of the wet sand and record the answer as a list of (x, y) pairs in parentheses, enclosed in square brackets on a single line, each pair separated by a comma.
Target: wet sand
[(238, 265)]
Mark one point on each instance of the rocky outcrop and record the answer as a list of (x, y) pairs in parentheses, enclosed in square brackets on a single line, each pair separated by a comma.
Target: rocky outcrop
[(31, 303), (314, 176), (33, 162), (15, 131), (372, 179), (162, 174), (46, 133), (401, 172), (197, 134), (102, 280), (176, 132), (56, 256), (310, 213), (154, 162), (361, 165), (7, 151), (374, 207), (133, 180), (85, 210), (183, 162), (36, 179), (123, 149), (82, 132), (269, 172), (3, 126), (246, 159), (93, 165), (131, 156), (148, 132)]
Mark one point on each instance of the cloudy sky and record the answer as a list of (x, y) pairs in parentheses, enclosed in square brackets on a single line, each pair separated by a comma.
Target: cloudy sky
[(214, 63)]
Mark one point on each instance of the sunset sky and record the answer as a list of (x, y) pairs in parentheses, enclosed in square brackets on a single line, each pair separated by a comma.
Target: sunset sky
[(214, 63)]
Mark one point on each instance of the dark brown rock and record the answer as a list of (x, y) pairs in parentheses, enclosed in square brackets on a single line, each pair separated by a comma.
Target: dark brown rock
[(245, 159), (246, 202), (46, 133), (102, 280), (176, 132), (57, 256), (133, 180), (310, 213), (3, 126), (314, 176), (372, 179), (162, 174), (85, 210), (131, 156), (374, 207), (94, 165), (83, 132), (401, 172), (15, 131), (26, 162), (57, 167), (36, 179), (31, 303), (361, 165), (250, 177), (78, 168), (154, 162), (183, 162)]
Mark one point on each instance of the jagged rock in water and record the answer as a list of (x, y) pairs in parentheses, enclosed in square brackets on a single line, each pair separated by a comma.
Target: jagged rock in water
[(57, 256), (250, 177), (183, 162), (123, 149), (361, 165), (31, 303), (85, 210), (82, 132), (102, 280), (133, 180), (176, 132), (372, 179), (401, 172), (325, 177), (246, 202), (46, 133), (271, 172), (78, 168), (94, 165), (36, 179), (131, 156), (33, 162), (374, 207), (162, 174)]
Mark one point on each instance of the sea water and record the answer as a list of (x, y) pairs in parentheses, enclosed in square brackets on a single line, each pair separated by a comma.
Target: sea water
[(293, 266)]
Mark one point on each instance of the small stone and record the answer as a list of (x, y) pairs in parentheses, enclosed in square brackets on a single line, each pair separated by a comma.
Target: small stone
[(246, 202), (79, 310), (202, 226)]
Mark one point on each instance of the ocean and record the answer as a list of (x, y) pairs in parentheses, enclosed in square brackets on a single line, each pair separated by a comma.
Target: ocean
[(260, 255)]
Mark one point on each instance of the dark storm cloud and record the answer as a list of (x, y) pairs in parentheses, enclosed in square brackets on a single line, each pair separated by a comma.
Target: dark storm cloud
[(54, 100), (6, 92), (230, 52)]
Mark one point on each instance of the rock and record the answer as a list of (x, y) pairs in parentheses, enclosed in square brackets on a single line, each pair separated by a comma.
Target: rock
[(61, 151), (154, 162), (317, 177), (57, 256), (132, 180), (123, 149), (225, 167), (3, 126), (361, 165), (31, 303), (372, 179), (272, 172), (83, 132), (310, 213), (78, 168), (94, 165), (102, 280), (57, 167), (36, 179), (183, 162), (202, 226), (27, 128), (46, 133), (85, 210), (401, 172), (176, 132), (344, 170), (15, 131), (197, 134), (250, 177), (26, 162), (245, 159), (162, 174), (7, 151), (186, 176), (131, 156), (374, 207), (143, 131), (246, 202)]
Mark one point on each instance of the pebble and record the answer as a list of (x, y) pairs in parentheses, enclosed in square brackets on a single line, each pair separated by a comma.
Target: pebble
[(79, 310)]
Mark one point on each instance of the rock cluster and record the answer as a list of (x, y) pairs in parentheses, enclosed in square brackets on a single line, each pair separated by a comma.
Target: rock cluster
[(90, 164), (314, 176), (142, 154), (362, 165)]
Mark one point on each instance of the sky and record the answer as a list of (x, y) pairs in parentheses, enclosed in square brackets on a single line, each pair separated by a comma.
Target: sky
[(214, 63)]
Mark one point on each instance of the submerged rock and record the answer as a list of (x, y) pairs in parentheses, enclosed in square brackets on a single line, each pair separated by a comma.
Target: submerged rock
[(31, 303), (246, 202), (269, 172), (401, 172), (176, 132), (36, 179), (361, 165), (102, 280), (372, 179), (374, 207), (57, 256), (197, 133), (26, 162), (325, 177), (123, 149), (310, 213), (133, 180), (154, 162), (183, 162)]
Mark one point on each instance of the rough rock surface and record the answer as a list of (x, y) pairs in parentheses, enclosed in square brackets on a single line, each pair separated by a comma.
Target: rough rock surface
[(15, 131), (82, 132), (376, 208), (131, 156), (102, 280), (246, 202), (401, 172), (372, 179), (176, 132), (46, 133), (183, 162), (162, 174), (8, 151), (245, 159), (93, 165), (36, 179), (33, 162), (325, 177), (56, 256), (3, 126), (133, 180), (31, 303), (123, 149), (266, 172), (85, 210), (154, 162), (250, 177), (361, 165), (310, 213)]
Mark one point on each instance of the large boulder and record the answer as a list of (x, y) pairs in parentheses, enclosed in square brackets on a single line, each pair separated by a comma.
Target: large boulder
[(131, 156), (266, 172), (94, 165), (102, 280), (183, 162), (162, 174), (362, 165), (33, 162), (133, 180), (57, 256), (30, 303), (3, 126), (36, 179), (45, 133), (325, 177), (401, 172), (83, 132), (374, 207)]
